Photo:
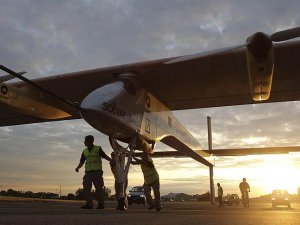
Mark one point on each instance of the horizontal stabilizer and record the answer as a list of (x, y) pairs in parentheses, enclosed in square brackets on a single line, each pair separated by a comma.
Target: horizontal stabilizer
[(234, 152), (253, 151), (184, 150)]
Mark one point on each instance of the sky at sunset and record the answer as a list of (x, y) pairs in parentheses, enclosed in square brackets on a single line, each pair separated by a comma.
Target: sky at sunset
[(59, 36)]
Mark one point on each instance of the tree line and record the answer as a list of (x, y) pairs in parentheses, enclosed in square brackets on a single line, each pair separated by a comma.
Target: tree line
[(49, 195)]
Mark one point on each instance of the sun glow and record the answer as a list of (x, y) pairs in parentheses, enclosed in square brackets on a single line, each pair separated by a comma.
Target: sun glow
[(278, 172), (264, 173)]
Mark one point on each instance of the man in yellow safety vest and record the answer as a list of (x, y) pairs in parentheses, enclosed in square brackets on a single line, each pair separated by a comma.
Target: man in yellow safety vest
[(91, 156), (151, 179)]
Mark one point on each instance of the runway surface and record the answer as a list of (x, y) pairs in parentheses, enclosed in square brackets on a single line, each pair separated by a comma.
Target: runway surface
[(34, 212)]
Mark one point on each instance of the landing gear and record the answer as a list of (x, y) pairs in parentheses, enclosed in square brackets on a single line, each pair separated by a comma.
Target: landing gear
[(120, 169)]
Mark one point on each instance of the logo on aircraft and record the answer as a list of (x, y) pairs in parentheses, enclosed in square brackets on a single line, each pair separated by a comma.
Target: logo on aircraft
[(112, 108), (4, 90)]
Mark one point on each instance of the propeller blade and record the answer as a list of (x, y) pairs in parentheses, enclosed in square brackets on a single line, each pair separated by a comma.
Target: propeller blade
[(204, 54), (285, 35)]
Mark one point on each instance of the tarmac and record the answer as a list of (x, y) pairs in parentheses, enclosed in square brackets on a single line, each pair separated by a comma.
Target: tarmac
[(23, 212)]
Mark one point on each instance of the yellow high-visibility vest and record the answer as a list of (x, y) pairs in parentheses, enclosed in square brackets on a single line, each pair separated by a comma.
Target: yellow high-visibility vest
[(150, 173), (92, 159)]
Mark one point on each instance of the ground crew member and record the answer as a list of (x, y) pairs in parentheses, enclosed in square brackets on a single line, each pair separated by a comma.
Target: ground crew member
[(91, 156), (220, 195), (151, 179)]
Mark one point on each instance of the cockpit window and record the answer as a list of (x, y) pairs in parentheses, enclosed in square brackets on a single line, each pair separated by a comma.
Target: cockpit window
[(128, 86)]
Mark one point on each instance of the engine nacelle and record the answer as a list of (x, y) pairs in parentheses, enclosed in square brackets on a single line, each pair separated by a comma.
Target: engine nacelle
[(260, 63)]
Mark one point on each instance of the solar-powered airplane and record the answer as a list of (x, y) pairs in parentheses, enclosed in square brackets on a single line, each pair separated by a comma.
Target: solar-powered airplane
[(132, 103)]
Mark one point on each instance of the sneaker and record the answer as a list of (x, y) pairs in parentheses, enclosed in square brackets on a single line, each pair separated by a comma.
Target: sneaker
[(151, 207), (87, 207)]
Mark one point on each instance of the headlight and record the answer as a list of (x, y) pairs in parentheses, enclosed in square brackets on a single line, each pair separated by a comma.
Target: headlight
[(129, 195), (286, 199), (142, 196), (273, 199)]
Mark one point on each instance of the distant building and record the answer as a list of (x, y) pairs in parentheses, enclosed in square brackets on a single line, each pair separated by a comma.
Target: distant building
[(176, 197), (182, 197), (169, 197)]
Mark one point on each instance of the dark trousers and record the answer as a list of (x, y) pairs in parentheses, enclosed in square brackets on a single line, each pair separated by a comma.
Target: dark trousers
[(90, 178), (147, 191), (220, 201)]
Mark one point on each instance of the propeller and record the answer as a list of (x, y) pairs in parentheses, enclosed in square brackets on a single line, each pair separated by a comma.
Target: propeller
[(285, 35), (279, 36)]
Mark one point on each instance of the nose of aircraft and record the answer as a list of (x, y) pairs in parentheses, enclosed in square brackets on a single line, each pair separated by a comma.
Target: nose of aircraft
[(92, 111), (91, 101), (112, 92), (96, 100), (102, 111)]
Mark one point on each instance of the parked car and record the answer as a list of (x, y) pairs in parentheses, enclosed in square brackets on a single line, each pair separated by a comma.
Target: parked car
[(231, 199), (280, 197), (136, 195)]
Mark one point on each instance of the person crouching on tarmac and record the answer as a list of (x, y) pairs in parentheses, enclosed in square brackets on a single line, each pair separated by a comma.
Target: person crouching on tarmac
[(118, 185), (151, 179)]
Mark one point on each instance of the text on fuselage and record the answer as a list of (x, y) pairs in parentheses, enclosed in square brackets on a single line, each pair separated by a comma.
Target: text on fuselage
[(112, 108)]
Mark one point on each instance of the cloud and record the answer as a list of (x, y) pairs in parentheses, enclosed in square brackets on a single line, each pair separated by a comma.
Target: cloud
[(52, 37)]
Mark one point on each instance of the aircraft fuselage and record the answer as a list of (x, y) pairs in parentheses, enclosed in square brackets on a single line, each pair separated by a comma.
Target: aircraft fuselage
[(126, 108)]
